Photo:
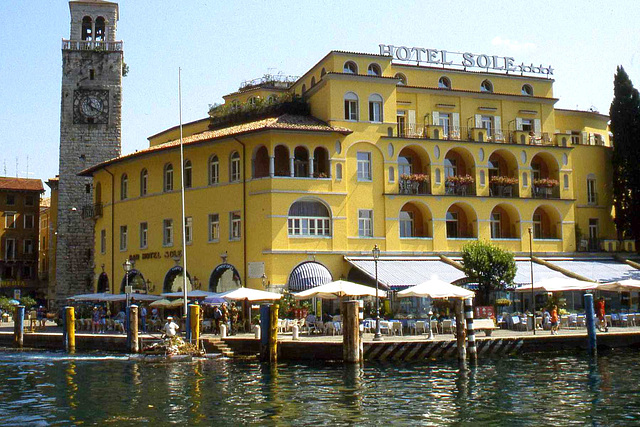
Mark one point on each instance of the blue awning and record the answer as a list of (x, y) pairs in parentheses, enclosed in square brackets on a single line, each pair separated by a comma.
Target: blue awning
[(308, 275)]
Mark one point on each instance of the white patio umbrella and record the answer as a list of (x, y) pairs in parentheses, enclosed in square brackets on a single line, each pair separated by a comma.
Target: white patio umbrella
[(628, 285), (190, 294), (436, 288), (134, 297), (338, 289), (558, 284), (102, 296), (160, 303), (250, 294)]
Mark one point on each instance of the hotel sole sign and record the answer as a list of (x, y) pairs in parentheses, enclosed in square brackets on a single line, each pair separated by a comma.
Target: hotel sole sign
[(461, 59)]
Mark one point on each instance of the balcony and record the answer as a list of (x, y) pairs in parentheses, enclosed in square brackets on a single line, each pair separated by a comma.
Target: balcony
[(92, 211), (504, 190), (460, 186), (414, 184), (545, 192), (94, 45), (501, 136)]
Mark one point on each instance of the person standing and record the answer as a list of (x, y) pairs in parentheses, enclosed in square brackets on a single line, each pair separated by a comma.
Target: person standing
[(217, 315), (225, 316), (95, 320), (600, 311), (234, 318), (554, 320), (143, 318), (170, 328)]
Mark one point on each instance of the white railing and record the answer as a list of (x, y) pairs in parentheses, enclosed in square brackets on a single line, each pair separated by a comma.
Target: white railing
[(98, 45)]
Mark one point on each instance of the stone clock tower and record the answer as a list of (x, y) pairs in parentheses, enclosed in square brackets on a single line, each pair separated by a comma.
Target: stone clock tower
[(90, 133)]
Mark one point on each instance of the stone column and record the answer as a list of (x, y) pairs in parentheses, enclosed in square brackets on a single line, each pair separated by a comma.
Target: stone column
[(272, 166), (310, 167), (291, 167)]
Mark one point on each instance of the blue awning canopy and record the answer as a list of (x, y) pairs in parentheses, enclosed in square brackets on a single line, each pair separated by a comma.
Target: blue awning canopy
[(308, 275)]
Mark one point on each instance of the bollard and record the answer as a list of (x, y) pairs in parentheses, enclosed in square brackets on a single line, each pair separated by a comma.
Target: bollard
[(194, 318), (351, 343), (471, 334), (18, 326), (133, 329), (294, 333), (70, 327), (187, 324), (590, 320), (273, 332), (223, 331), (256, 332), (460, 334), (265, 325)]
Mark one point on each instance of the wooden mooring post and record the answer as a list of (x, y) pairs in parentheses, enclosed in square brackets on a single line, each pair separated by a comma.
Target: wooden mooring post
[(70, 329), (133, 329), (18, 326), (351, 341), (461, 334)]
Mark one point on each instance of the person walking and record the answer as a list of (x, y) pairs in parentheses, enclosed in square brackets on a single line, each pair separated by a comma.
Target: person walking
[(143, 318), (217, 315), (225, 316)]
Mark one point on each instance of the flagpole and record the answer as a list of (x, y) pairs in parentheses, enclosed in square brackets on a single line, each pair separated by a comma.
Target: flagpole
[(184, 232)]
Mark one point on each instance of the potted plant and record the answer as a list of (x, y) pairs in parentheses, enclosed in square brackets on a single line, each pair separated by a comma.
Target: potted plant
[(503, 180), (545, 182)]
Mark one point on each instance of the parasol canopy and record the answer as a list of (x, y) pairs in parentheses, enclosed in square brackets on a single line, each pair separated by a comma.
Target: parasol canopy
[(628, 285), (101, 296), (241, 294), (558, 284), (337, 289), (176, 303), (190, 294), (160, 303), (436, 288)]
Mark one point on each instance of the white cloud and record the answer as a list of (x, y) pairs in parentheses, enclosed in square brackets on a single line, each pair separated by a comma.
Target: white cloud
[(513, 45)]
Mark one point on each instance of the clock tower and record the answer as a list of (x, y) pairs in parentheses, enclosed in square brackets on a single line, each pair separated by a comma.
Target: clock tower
[(90, 133)]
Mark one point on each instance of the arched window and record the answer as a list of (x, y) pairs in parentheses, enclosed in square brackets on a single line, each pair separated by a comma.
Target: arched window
[(592, 196), (271, 99), (300, 162), (253, 100), (452, 225), (261, 162), (144, 182), (87, 32), (214, 170), (304, 89), (188, 182), (392, 175), (350, 67), (321, 167), (374, 70), (234, 169), (527, 90), (338, 171), (375, 108), (402, 78), (100, 30), (323, 72), (444, 83), (309, 218), (313, 81), (351, 106), (281, 161), (168, 177), (124, 186), (486, 86)]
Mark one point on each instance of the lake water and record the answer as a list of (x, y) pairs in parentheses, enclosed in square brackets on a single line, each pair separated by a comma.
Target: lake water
[(43, 388)]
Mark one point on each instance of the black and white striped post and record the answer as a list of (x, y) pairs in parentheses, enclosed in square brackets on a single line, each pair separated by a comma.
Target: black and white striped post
[(471, 337)]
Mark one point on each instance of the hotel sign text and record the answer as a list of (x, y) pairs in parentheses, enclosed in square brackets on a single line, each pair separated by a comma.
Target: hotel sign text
[(461, 59)]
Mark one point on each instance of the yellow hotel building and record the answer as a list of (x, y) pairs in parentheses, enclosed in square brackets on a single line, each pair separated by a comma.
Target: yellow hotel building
[(418, 160)]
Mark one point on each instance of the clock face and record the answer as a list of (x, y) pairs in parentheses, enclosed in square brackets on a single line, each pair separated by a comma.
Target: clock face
[(91, 106)]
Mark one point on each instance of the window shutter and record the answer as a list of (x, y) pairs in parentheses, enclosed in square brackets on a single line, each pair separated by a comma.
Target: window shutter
[(518, 123), (478, 121), (435, 118), (456, 123), (537, 127), (584, 136)]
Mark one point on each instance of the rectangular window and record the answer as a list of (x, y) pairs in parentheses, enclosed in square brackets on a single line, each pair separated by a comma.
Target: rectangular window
[(26, 272), (29, 200), (309, 226), (11, 199), (487, 123), (452, 225), (364, 166), (10, 220), (575, 138), (444, 122), (123, 237), (188, 230), (214, 170), (537, 226), (495, 226), (103, 241), (167, 234), (235, 167), (450, 167), (527, 125), (592, 198), (406, 224), (28, 247), (10, 249), (375, 111), (214, 227), (144, 234), (401, 122), (235, 226), (350, 109), (365, 223), (29, 221)]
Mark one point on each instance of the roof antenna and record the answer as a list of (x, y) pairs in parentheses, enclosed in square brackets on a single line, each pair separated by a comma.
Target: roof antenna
[(16, 166)]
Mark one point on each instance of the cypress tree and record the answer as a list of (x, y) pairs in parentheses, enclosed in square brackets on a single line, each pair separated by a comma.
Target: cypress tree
[(625, 126)]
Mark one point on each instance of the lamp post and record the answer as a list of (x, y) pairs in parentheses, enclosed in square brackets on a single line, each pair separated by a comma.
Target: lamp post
[(376, 255), (533, 301), (127, 265)]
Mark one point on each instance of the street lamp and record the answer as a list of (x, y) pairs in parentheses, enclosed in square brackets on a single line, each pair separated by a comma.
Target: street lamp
[(533, 301), (127, 265), (376, 255)]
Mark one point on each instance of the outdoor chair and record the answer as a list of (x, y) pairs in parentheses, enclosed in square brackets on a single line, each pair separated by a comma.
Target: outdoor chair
[(385, 328), (573, 321), (624, 320), (330, 327), (434, 327), (447, 326), (396, 328), (615, 319), (581, 321), (608, 320), (420, 327), (318, 327), (564, 322)]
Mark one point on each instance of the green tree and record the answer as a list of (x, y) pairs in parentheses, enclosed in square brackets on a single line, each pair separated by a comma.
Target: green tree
[(625, 126), (489, 266)]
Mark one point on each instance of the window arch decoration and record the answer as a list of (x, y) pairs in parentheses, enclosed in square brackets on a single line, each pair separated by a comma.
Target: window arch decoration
[(351, 106), (444, 82), (214, 170), (486, 86), (402, 78), (374, 70), (309, 218), (168, 177), (375, 108), (350, 67)]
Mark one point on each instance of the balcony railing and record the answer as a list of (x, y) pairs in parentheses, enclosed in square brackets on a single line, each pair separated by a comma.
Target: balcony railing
[(504, 190), (92, 211), (96, 45), (540, 192), (503, 136), (407, 186), (452, 189)]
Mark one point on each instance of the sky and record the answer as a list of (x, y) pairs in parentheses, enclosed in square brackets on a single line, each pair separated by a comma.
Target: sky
[(220, 44)]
